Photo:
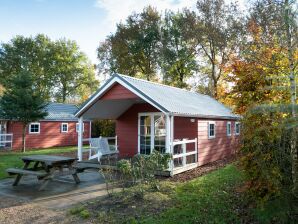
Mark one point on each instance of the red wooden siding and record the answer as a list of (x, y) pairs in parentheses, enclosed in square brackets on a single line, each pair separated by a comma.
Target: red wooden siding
[(50, 135), (127, 128), (117, 91), (185, 128), (209, 149), (219, 147)]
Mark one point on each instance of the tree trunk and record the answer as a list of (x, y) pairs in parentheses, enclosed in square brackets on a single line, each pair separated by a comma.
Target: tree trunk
[(64, 93), (24, 138), (293, 98), (214, 81)]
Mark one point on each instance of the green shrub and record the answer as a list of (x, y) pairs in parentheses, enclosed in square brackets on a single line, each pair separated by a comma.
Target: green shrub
[(84, 214), (76, 210), (141, 170), (265, 155)]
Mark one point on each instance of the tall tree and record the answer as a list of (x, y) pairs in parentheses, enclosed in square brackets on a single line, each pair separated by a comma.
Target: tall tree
[(177, 57), (133, 49), (290, 21), (22, 102), (219, 31), (264, 90), (55, 65), (28, 53), (72, 70)]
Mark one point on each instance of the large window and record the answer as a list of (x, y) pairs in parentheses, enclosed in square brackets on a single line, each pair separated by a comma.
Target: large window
[(152, 133), (211, 129), (64, 127), (34, 128), (229, 133), (237, 128)]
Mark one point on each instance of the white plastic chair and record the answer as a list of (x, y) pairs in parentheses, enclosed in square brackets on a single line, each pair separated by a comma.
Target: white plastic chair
[(100, 147)]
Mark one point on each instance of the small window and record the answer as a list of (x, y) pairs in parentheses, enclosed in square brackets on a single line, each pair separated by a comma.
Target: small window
[(211, 129), (64, 127), (229, 133), (34, 128), (77, 127), (237, 128)]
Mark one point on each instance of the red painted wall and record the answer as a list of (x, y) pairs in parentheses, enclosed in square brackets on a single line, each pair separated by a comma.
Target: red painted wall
[(127, 128), (209, 150), (117, 91), (50, 135), (219, 147), (184, 128)]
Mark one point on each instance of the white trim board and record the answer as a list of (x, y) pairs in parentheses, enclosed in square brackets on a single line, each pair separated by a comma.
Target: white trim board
[(152, 114)]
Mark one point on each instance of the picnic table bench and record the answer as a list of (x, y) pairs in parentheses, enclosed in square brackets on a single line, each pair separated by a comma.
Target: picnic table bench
[(86, 165), (13, 171), (45, 168)]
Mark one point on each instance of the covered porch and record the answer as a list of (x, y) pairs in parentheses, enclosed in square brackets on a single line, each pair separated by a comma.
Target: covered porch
[(141, 126)]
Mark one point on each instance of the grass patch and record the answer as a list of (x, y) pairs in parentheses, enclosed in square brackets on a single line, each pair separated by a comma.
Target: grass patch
[(13, 159), (127, 206), (217, 197), (80, 211), (207, 199)]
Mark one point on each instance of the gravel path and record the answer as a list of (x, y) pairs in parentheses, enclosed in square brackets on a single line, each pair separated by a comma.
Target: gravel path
[(13, 211)]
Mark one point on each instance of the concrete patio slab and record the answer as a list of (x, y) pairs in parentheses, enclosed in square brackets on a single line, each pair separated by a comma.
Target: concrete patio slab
[(59, 193)]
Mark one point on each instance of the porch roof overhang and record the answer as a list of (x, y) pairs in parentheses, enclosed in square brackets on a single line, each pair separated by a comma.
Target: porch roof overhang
[(109, 109), (97, 108)]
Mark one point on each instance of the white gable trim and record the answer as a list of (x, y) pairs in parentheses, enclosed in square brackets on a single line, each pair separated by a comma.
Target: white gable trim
[(106, 87)]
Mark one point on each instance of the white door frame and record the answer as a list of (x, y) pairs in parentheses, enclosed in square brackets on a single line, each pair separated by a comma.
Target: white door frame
[(167, 124)]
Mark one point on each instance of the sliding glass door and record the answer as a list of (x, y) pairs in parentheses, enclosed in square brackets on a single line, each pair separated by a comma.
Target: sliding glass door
[(152, 133)]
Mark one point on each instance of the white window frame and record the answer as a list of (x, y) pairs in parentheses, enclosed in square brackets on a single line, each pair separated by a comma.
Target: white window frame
[(151, 114), (62, 127), (229, 124), (77, 127), (34, 123), (237, 123), (209, 123)]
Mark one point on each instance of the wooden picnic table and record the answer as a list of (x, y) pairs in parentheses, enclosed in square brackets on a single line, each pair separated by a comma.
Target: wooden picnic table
[(45, 168)]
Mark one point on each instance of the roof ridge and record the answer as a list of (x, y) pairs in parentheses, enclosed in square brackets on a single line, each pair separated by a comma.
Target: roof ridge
[(157, 83)]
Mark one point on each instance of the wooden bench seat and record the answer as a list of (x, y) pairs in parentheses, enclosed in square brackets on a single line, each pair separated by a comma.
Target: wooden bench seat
[(15, 171), (82, 166)]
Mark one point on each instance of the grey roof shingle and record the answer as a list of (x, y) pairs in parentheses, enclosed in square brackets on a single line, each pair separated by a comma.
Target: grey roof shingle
[(180, 101), (172, 100), (61, 112)]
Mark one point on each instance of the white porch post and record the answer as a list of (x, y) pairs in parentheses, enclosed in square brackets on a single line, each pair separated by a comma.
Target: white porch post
[(170, 139), (168, 134), (80, 139)]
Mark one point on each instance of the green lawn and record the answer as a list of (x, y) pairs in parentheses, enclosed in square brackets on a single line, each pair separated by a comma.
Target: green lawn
[(12, 159), (217, 197), (207, 199)]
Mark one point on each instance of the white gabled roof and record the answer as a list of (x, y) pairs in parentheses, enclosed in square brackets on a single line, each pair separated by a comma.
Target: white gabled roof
[(168, 99)]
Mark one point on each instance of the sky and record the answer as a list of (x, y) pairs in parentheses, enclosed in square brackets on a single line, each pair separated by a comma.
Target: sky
[(87, 22)]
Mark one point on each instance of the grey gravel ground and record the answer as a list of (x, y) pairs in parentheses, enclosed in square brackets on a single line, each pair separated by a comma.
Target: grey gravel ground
[(14, 211), (25, 204)]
